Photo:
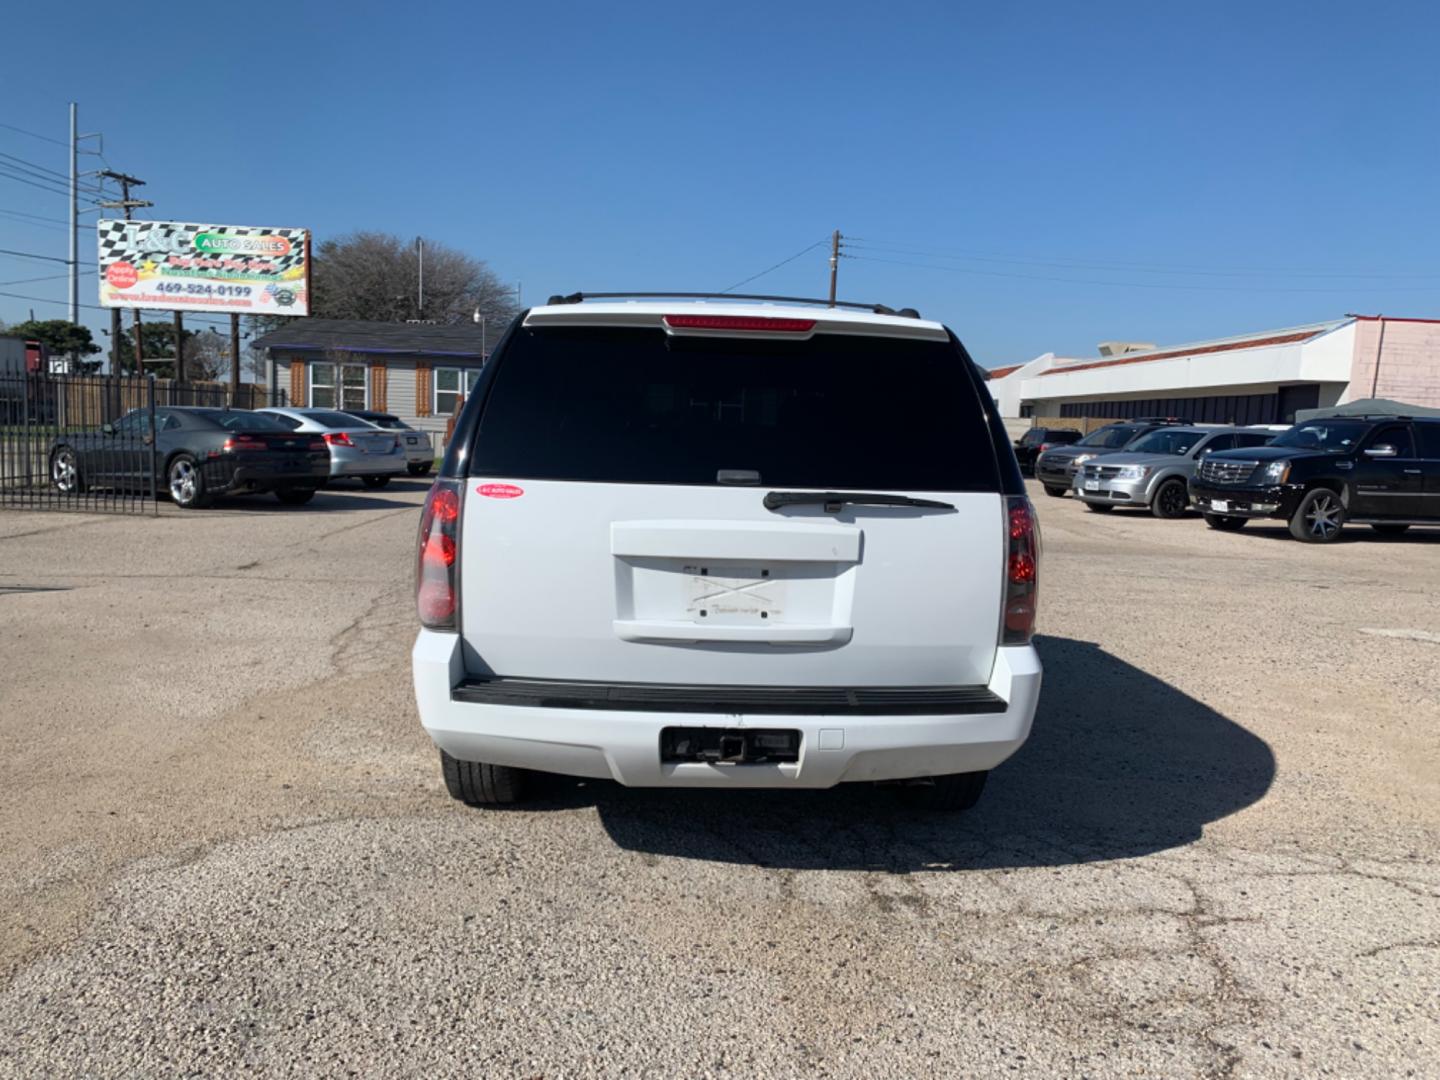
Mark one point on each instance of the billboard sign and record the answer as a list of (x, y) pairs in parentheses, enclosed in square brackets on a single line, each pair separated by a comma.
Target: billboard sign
[(183, 267)]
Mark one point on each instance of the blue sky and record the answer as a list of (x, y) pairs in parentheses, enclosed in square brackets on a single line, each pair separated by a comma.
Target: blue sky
[(1040, 176)]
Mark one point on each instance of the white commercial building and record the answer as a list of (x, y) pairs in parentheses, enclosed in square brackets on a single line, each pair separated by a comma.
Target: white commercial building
[(1249, 379)]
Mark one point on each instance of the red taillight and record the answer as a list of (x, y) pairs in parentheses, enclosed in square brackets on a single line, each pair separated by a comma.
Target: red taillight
[(435, 570), (1022, 571), (749, 324), (338, 438), (244, 442), (1044, 446)]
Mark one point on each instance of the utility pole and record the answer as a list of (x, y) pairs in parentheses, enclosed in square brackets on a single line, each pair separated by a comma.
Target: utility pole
[(127, 204), (179, 347), (74, 217), (834, 262), (420, 297), (234, 358)]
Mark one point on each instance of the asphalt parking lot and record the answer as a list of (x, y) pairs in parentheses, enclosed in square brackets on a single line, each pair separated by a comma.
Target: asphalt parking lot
[(226, 846)]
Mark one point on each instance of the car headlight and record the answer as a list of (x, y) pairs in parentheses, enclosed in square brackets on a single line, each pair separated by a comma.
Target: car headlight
[(1080, 459), (1277, 472), (1133, 472)]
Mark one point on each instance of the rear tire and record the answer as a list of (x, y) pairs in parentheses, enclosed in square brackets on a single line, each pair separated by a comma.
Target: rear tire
[(295, 496), (186, 482), (1224, 522), (1055, 492), (419, 468), (1171, 500), (1320, 517), (1390, 529), (375, 481), (65, 471), (1099, 508), (950, 793), (476, 783)]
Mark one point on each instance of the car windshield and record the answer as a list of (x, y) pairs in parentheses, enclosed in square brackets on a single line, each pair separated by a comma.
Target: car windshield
[(835, 411), (1109, 438), (392, 422), (332, 419), (240, 420), (1329, 436), (1167, 441)]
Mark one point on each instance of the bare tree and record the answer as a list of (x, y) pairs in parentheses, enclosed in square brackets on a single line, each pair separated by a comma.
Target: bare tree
[(207, 357), (376, 276)]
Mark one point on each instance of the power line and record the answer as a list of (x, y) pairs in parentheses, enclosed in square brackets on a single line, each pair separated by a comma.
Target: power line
[(1136, 284), (36, 167), (35, 135), (1073, 264), (35, 219), (782, 262), (48, 277), (62, 190), (32, 255)]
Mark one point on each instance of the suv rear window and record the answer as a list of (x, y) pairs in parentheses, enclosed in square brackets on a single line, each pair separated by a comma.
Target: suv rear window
[(636, 406), (1111, 438)]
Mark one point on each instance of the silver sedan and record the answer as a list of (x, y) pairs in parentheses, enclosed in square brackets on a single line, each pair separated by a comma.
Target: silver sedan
[(357, 449)]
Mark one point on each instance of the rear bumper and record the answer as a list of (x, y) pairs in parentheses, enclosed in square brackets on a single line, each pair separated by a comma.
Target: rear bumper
[(414, 455), (346, 461), (1116, 492), (267, 476), (1278, 501), (1054, 474), (624, 744)]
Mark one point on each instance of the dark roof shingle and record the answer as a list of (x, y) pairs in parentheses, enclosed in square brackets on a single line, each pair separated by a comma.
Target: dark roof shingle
[(358, 335)]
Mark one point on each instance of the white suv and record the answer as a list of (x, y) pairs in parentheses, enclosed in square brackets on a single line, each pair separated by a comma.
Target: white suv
[(724, 544)]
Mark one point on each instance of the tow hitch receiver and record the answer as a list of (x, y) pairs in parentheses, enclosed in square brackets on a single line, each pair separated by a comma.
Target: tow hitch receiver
[(729, 746)]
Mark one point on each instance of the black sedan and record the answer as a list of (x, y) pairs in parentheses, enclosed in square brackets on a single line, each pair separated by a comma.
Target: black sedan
[(194, 454)]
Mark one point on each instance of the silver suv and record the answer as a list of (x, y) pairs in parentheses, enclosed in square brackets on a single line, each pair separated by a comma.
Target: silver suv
[(1154, 471)]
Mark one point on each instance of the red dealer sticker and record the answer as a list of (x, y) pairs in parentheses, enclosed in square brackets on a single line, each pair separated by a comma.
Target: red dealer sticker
[(500, 491)]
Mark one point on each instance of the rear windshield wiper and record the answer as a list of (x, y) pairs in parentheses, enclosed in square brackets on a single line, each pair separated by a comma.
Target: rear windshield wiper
[(833, 500)]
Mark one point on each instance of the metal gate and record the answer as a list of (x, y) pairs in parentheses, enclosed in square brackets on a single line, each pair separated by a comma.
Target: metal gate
[(87, 442)]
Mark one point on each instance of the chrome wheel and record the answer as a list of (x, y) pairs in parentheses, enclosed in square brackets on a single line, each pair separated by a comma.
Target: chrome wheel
[(1324, 516), (184, 482), (63, 471)]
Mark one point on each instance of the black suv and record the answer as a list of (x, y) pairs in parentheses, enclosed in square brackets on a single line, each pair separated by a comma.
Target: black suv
[(1037, 440), (1381, 471), (1055, 468)]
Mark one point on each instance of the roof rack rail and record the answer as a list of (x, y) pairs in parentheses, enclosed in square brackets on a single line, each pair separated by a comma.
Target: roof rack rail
[(877, 309)]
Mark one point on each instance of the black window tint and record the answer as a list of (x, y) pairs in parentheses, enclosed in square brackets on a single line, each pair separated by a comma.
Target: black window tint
[(1429, 439), (632, 405), (288, 422), (1034, 437), (1221, 442), (1396, 435)]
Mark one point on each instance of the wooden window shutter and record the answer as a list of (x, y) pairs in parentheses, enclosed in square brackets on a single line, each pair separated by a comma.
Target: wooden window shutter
[(422, 388), (297, 383), (379, 385)]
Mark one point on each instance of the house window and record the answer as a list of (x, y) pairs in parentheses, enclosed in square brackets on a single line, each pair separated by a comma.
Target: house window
[(338, 386), (450, 383)]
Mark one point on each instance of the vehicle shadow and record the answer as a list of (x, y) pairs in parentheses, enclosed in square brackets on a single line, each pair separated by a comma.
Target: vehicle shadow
[(1351, 534), (326, 501), (1119, 764)]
